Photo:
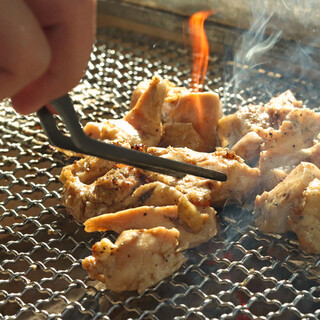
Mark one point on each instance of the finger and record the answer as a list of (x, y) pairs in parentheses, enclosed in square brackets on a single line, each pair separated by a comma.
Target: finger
[(25, 52), (70, 29)]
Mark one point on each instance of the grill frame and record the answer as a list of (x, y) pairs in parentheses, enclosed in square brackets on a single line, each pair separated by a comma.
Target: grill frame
[(240, 274)]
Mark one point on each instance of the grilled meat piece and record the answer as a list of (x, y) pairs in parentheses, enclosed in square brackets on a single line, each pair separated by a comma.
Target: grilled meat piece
[(279, 135), (141, 125), (270, 177), (146, 114), (312, 154), (247, 119), (248, 147), (274, 176), (261, 119), (87, 193), (201, 110), (195, 224), (276, 208), (306, 221), (93, 186), (290, 144), (190, 119), (113, 131), (241, 185), (138, 259), (155, 194), (179, 134), (172, 91)]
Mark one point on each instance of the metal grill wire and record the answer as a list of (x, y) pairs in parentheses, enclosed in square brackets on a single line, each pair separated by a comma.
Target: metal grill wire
[(240, 274)]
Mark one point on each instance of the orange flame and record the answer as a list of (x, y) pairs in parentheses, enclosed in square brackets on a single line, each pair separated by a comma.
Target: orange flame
[(200, 48)]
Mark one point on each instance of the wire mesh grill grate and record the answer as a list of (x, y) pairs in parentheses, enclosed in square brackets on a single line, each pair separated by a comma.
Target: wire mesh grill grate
[(240, 274)]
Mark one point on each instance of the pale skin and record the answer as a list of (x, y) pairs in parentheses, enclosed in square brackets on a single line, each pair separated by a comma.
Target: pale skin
[(45, 46)]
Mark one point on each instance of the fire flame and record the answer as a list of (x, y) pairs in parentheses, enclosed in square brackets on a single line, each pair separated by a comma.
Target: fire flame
[(200, 48)]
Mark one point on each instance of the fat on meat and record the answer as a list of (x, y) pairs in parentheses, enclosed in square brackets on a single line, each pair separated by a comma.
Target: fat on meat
[(137, 260)]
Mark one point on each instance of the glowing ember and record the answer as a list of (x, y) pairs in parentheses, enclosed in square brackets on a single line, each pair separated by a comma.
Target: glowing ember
[(200, 48)]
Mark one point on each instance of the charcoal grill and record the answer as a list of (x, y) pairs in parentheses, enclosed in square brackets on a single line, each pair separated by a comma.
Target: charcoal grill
[(240, 274)]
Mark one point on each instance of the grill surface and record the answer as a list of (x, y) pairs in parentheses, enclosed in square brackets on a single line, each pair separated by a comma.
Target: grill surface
[(240, 274)]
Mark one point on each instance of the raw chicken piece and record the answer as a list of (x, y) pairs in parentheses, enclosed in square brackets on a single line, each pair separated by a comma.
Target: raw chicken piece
[(242, 181), (141, 125), (195, 224), (274, 209), (138, 259), (256, 118)]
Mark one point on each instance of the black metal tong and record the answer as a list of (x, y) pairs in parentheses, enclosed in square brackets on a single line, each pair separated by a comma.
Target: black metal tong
[(80, 142)]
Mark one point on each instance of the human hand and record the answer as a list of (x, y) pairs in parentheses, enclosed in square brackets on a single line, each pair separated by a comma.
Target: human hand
[(44, 49)]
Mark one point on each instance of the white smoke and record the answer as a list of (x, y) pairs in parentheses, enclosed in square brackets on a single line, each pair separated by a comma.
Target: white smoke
[(255, 47)]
